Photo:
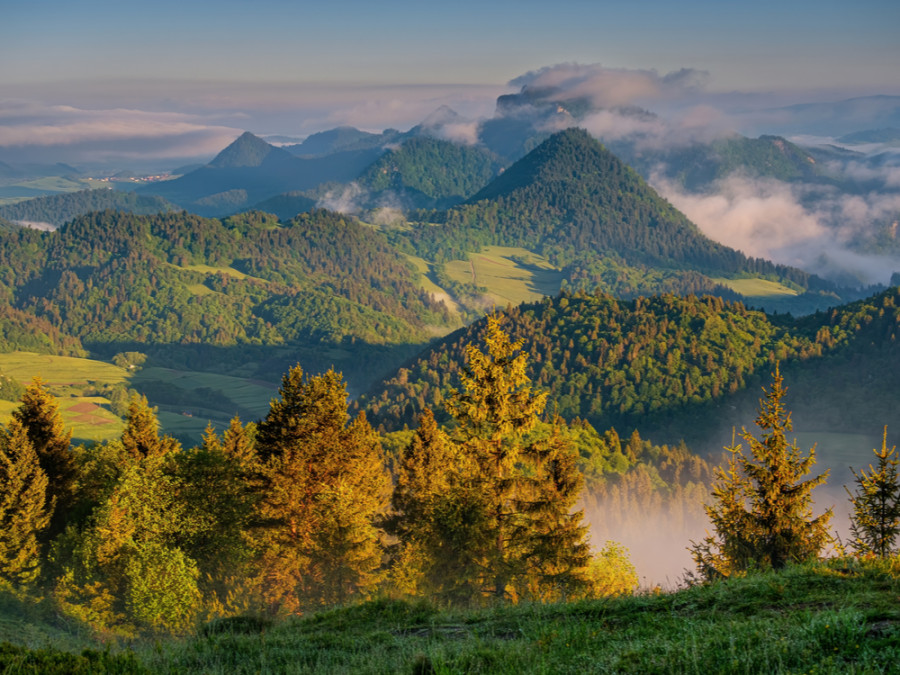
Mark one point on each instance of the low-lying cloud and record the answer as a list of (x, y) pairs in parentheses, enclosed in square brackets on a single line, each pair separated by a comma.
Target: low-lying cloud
[(36, 133), (610, 87), (814, 228)]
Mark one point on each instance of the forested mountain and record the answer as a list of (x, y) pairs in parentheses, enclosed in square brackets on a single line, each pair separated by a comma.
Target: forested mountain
[(342, 139), (426, 172), (110, 278), (672, 366), (697, 166), (576, 203), (251, 170), (61, 208)]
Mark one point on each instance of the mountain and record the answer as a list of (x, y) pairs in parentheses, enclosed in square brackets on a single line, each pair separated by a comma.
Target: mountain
[(61, 208), (248, 151), (676, 367), (342, 139), (425, 172), (696, 167), (596, 219), (250, 170)]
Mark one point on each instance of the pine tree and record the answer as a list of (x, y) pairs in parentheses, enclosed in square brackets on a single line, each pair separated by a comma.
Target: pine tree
[(875, 521), (325, 484), (38, 414), (763, 515), (23, 507)]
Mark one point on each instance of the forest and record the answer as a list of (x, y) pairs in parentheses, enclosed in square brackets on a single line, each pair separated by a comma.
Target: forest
[(310, 508)]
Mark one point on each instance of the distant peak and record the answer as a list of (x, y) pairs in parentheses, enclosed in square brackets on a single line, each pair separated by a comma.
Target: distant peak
[(246, 150)]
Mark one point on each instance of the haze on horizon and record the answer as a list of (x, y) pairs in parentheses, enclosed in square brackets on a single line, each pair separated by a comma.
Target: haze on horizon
[(174, 80)]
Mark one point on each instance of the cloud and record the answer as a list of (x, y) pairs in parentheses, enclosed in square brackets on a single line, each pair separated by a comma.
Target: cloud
[(609, 87), (813, 228), (65, 133), (345, 199)]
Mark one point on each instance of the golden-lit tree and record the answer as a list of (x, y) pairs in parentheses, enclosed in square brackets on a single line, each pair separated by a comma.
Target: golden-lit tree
[(38, 414), (325, 485), (762, 513)]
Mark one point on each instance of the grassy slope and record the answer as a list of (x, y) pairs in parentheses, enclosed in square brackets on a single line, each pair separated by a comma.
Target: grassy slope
[(72, 379), (507, 281), (837, 618)]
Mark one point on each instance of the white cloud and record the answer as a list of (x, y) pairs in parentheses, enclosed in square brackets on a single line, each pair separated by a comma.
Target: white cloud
[(768, 218)]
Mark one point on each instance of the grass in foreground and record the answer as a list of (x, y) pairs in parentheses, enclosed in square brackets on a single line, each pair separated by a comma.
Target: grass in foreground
[(839, 617)]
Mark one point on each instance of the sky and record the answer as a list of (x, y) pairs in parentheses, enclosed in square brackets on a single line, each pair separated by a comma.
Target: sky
[(191, 75)]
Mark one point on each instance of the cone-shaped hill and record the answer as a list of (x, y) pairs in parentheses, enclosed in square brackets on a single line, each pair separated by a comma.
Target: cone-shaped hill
[(571, 199)]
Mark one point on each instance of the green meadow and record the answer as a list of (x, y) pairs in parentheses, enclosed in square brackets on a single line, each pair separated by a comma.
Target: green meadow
[(513, 275)]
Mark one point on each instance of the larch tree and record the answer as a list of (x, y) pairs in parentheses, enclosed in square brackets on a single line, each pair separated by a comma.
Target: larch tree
[(763, 512), (38, 414), (325, 483), (24, 513), (875, 520)]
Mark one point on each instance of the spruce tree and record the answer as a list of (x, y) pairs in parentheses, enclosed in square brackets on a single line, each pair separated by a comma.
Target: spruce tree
[(39, 415), (24, 512), (437, 517), (526, 489), (875, 521), (763, 512), (141, 435), (325, 484)]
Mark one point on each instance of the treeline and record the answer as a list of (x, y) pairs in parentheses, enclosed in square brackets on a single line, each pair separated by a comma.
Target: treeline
[(176, 278), (304, 509), (637, 363), (60, 209)]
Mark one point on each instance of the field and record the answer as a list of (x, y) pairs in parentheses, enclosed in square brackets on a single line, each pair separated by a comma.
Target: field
[(428, 285), (509, 281), (757, 288), (74, 383)]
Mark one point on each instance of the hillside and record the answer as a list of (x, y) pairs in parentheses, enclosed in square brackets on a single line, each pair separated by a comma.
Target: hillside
[(825, 618), (598, 221), (61, 208), (247, 286), (676, 367)]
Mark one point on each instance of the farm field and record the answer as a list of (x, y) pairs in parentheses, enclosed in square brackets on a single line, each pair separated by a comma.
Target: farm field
[(509, 280)]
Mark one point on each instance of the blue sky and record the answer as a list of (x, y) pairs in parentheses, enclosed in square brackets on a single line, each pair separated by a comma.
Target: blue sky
[(279, 66)]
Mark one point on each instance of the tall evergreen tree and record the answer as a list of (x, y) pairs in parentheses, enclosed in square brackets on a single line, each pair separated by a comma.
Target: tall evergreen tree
[(875, 521), (24, 512), (39, 415), (141, 435), (763, 515), (325, 484), (437, 517), (527, 488)]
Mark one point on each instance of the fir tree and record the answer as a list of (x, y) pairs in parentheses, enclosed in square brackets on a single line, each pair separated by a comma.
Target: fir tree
[(875, 521), (437, 517), (38, 414), (763, 511), (23, 507)]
